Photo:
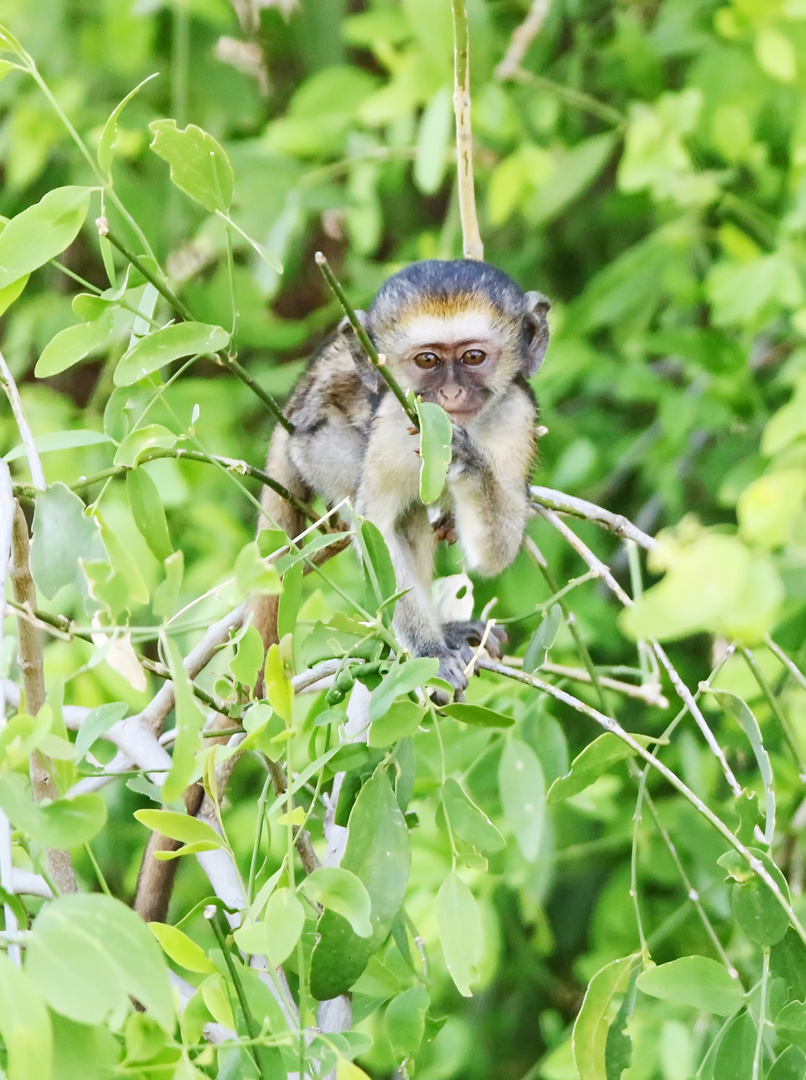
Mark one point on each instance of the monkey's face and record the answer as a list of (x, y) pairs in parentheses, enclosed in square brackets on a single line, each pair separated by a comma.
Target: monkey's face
[(453, 354)]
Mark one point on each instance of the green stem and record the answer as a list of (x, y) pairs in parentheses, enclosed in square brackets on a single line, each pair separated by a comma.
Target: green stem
[(241, 373), (775, 708), (161, 286), (239, 468), (578, 98), (366, 343), (762, 1014), (251, 1024)]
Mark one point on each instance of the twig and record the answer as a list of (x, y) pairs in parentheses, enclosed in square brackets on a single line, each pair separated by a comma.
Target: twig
[(522, 38), (578, 98), (375, 358), (597, 567), (613, 726), (33, 681), (681, 689), (162, 287), (471, 238), (650, 695), (230, 362), (581, 508), (11, 392), (788, 663)]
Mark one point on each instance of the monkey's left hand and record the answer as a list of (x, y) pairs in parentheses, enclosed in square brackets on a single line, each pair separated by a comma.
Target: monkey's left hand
[(465, 638)]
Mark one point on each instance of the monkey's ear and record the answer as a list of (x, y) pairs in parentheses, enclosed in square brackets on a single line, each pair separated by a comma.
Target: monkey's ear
[(535, 332), (363, 365)]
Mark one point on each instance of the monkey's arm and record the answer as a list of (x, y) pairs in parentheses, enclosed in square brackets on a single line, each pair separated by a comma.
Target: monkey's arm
[(492, 460)]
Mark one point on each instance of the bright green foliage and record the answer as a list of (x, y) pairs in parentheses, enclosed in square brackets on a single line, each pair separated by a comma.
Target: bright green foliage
[(645, 168)]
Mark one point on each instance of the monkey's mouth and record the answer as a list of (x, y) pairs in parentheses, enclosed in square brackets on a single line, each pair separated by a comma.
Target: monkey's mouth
[(461, 416)]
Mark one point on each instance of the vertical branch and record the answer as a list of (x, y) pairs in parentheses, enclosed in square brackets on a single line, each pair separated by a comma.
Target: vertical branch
[(11, 392), (7, 507), (471, 238), (33, 681)]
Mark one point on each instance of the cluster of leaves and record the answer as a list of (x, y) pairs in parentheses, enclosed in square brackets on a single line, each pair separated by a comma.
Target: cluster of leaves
[(644, 168)]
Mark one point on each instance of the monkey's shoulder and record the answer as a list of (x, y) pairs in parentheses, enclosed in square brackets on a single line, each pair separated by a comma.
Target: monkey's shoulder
[(330, 386)]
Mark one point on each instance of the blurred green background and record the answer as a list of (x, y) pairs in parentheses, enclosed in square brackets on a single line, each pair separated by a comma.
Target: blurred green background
[(645, 167)]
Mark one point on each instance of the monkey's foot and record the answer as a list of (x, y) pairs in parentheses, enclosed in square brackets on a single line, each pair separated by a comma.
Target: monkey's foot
[(452, 669), (461, 636), (445, 529)]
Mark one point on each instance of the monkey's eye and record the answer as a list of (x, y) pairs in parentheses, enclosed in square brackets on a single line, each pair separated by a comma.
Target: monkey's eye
[(426, 360), (474, 356)]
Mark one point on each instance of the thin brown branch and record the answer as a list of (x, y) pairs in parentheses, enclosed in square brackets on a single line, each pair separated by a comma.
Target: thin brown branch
[(649, 694), (471, 237), (597, 567), (522, 37), (581, 508), (33, 680)]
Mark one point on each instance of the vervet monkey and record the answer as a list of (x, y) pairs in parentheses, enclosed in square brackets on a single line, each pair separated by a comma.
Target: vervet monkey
[(460, 334)]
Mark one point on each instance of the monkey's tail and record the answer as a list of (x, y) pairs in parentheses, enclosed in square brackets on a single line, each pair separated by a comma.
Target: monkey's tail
[(156, 881)]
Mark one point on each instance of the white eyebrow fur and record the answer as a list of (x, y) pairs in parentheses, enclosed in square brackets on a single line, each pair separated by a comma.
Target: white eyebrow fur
[(463, 326)]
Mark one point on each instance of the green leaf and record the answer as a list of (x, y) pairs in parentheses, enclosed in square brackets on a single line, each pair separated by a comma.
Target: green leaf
[(163, 346), (182, 827), (62, 534), (283, 921), (199, 166), (279, 691), (436, 436), (741, 713), (466, 820), (106, 144), (459, 925), (24, 1025), (189, 723), (542, 639), (144, 438), (89, 954), (477, 715), (595, 759), (400, 720), (769, 507), (433, 141), (377, 852), (60, 440), (76, 343), (41, 232), (167, 592), (790, 1023), (248, 660), (757, 911), (181, 949), (64, 823), (776, 54), (696, 981), (405, 1021), (9, 293), (379, 572), (573, 169), (737, 1047), (341, 891), (790, 1065), (254, 575), (592, 1025), (401, 680), (148, 513), (96, 723), (523, 795)]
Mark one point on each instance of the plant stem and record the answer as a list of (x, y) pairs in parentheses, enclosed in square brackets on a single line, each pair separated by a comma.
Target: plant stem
[(241, 373), (374, 356), (159, 284), (471, 238), (251, 1024)]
